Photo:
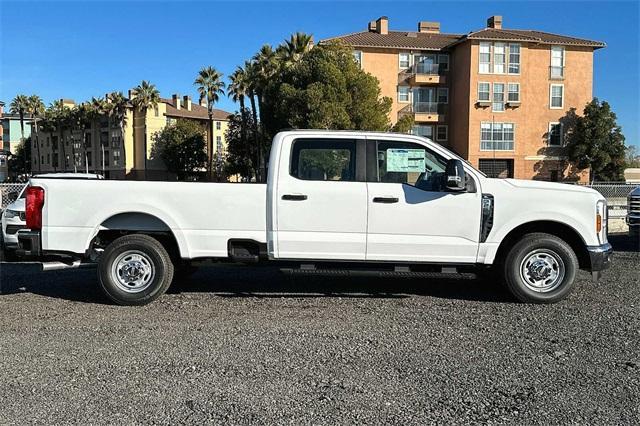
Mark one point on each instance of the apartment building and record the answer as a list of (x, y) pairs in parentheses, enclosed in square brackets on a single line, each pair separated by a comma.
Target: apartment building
[(498, 97), (121, 150)]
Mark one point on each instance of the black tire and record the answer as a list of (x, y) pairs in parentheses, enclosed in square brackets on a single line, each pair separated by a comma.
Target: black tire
[(154, 259), (552, 250)]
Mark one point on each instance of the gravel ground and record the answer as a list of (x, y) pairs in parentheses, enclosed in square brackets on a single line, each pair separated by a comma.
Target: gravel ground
[(253, 346)]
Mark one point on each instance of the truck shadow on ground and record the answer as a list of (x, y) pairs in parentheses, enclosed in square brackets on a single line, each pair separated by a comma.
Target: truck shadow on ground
[(268, 282)]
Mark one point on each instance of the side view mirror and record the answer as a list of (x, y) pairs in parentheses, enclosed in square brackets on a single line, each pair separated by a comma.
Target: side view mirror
[(455, 176)]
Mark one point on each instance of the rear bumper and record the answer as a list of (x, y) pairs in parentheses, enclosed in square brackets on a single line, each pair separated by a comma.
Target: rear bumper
[(600, 257), (29, 244)]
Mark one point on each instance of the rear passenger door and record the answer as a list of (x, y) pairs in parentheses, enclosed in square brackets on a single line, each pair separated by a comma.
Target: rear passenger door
[(322, 200)]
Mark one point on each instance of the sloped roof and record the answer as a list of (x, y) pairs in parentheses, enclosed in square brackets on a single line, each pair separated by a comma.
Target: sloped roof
[(398, 39), (438, 41), (197, 111)]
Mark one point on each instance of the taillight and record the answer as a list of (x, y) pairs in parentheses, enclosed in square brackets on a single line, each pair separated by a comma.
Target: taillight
[(33, 211)]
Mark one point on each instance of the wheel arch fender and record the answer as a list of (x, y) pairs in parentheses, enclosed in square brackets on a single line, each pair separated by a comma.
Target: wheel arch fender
[(140, 219)]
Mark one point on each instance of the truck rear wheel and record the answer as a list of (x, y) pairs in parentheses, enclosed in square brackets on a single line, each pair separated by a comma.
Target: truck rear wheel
[(135, 270), (540, 268)]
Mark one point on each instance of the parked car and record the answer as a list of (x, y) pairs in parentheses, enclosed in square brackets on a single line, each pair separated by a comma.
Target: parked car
[(633, 213), (13, 217), (353, 202)]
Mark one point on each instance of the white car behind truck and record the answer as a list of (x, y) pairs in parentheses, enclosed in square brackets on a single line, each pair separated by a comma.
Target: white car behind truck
[(350, 201)]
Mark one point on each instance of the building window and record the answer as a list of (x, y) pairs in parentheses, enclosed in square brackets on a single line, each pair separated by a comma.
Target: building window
[(55, 159), (485, 58), (555, 134), (557, 62), (403, 93), (514, 92), (496, 168), (116, 157), (219, 143), (87, 140), (106, 158), (89, 157), (443, 62), (484, 92), (357, 55), (218, 125), (498, 97), (557, 96), (498, 58), (115, 138), (48, 158), (403, 60), (42, 159), (104, 138), (423, 130), (443, 95), (156, 111), (497, 136), (514, 58), (442, 133)]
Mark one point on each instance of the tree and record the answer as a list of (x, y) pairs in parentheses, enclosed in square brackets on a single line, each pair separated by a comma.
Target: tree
[(118, 105), (20, 162), (632, 157), (58, 117), (36, 108), (210, 86), (20, 105), (181, 147), (404, 124), (145, 96), (326, 90), (242, 154), (292, 50), (596, 141)]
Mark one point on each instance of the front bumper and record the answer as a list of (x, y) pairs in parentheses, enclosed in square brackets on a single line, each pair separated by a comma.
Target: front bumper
[(633, 219), (29, 244), (600, 257)]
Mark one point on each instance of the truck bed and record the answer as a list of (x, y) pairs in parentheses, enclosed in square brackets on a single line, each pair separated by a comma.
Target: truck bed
[(202, 216)]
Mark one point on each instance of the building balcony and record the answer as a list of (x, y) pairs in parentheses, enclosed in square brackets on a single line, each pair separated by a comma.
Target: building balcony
[(422, 74), (425, 112)]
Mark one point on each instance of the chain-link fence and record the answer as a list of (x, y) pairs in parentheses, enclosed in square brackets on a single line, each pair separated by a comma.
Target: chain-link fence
[(9, 192), (616, 195)]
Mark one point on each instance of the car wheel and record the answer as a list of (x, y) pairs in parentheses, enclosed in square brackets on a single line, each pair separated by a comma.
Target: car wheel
[(540, 268), (135, 270)]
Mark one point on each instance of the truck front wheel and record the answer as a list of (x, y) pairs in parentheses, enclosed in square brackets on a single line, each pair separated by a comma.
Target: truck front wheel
[(135, 270), (540, 268)]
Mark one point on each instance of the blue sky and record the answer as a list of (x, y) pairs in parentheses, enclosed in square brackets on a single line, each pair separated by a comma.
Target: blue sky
[(81, 49)]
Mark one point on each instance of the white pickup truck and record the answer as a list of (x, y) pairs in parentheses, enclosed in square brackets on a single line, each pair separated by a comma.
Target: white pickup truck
[(357, 202)]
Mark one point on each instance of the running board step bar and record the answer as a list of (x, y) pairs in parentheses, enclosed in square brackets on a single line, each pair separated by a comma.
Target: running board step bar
[(397, 272)]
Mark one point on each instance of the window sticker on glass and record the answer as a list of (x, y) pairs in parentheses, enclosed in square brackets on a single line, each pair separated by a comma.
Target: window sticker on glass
[(405, 160)]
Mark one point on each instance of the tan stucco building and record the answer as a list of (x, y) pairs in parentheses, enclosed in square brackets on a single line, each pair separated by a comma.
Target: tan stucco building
[(122, 150), (499, 97)]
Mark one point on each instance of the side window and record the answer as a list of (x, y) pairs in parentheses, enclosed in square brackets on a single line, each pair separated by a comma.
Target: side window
[(409, 163), (323, 159)]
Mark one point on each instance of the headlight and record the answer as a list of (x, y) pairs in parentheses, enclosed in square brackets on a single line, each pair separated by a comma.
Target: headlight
[(601, 221), (11, 213)]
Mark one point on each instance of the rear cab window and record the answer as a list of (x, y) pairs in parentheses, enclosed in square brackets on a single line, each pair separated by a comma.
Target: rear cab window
[(324, 160)]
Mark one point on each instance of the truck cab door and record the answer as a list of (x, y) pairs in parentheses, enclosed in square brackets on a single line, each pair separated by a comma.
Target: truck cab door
[(321, 199), (411, 218)]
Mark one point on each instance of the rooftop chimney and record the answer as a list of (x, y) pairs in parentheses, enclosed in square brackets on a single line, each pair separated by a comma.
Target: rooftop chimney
[(372, 26), (495, 21), (382, 25), (186, 100), (176, 100), (428, 27), (130, 94)]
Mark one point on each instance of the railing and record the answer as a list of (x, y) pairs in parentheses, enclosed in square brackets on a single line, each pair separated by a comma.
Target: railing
[(9, 192), (428, 69), (556, 72)]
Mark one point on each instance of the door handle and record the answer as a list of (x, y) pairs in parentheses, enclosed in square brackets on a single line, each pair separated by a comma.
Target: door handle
[(294, 197), (386, 200)]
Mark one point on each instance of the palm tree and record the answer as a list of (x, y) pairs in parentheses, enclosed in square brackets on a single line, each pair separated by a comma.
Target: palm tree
[(210, 86), (58, 117), (239, 89), (20, 105), (145, 96), (295, 48), (118, 114), (36, 108)]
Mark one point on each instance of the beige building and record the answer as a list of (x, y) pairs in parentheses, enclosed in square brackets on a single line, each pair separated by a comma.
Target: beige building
[(499, 97), (122, 150)]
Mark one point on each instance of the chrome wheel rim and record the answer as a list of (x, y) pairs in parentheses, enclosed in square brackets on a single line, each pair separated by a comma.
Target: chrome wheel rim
[(542, 270), (133, 271)]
